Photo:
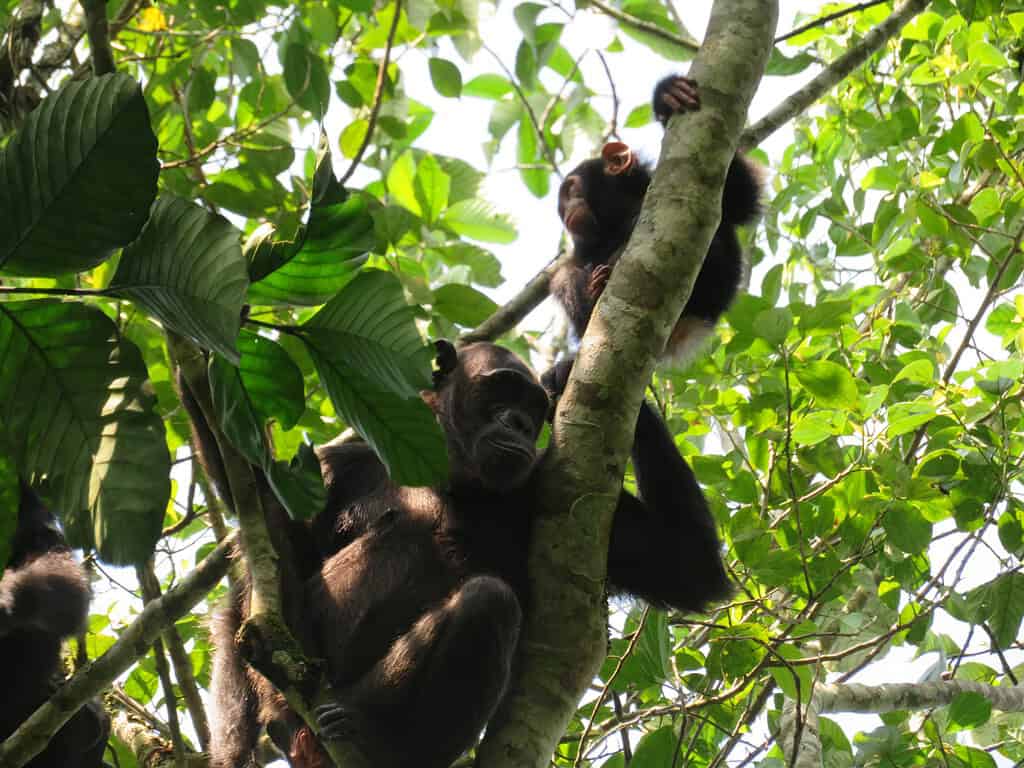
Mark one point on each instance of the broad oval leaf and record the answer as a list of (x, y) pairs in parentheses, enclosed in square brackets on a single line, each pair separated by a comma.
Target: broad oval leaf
[(187, 270), (78, 180), (479, 220), (830, 383), (373, 363), (78, 407), (446, 77)]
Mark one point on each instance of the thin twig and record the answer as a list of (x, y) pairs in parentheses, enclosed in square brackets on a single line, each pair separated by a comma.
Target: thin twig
[(378, 95), (823, 20), (687, 44)]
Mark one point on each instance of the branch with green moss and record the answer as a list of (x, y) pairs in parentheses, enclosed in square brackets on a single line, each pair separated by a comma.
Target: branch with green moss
[(595, 419)]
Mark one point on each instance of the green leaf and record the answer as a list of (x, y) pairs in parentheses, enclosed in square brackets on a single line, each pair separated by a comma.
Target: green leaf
[(1004, 601), (187, 270), (401, 182), (817, 426), (330, 250), (299, 484), (488, 86), (969, 710), (272, 379), (431, 186), (463, 305), (774, 325), (906, 417), (656, 749), (370, 357), (830, 383), (479, 220), (882, 177), (78, 179), (446, 77), (237, 417), (78, 407), (306, 78), (907, 528)]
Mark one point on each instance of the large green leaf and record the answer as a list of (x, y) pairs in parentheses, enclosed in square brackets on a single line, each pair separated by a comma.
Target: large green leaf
[(479, 220), (372, 361), (272, 379), (187, 270), (330, 249), (77, 407), (298, 485), (78, 179)]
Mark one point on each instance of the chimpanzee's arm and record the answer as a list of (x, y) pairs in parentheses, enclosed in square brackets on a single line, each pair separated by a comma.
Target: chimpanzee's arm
[(664, 547)]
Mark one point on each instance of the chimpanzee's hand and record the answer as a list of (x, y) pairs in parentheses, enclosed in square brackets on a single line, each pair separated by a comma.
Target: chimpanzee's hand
[(674, 94)]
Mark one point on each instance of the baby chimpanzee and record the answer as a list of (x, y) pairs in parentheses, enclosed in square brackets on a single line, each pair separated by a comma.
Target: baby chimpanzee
[(599, 203)]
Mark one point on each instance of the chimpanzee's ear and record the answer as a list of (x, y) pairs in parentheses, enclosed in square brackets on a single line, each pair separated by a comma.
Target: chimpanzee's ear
[(446, 360)]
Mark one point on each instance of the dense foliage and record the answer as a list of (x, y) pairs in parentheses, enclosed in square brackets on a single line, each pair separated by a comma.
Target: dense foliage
[(857, 424)]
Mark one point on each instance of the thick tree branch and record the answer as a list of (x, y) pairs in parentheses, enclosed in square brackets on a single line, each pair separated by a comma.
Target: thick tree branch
[(265, 640), (805, 743), (799, 101), (34, 734), (596, 416)]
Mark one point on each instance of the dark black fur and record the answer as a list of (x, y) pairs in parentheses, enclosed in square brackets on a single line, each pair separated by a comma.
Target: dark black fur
[(419, 601), (44, 598), (599, 203)]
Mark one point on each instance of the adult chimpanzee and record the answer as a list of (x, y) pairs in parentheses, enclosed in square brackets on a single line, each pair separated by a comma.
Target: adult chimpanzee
[(599, 203), (44, 598), (418, 605)]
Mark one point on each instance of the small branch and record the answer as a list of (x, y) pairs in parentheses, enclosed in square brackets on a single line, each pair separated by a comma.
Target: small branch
[(799, 101), (507, 316), (687, 44), (149, 748), (99, 36), (378, 94), (179, 659), (823, 20), (34, 734), (854, 697), (537, 127), (581, 748)]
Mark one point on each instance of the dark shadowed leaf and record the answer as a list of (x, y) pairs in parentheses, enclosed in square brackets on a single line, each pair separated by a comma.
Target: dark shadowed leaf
[(655, 749), (187, 270), (77, 407), (370, 357), (272, 379), (298, 483), (238, 419), (10, 495), (95, 143)]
